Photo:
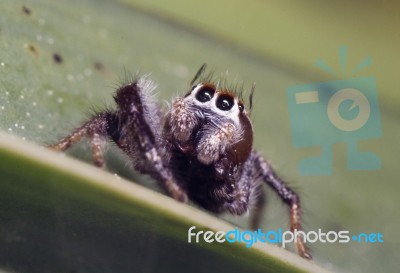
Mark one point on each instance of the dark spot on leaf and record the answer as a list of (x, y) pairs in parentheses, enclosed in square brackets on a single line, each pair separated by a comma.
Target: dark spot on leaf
[(26, 10), (57, 58), (98, 66), (32, 49)]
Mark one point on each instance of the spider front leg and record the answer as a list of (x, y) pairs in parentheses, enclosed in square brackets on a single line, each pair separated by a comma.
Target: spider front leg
[(150, 153), (289, 197), (135, 135)]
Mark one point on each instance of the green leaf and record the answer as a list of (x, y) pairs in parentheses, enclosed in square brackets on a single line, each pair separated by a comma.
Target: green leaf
[(60, 215)]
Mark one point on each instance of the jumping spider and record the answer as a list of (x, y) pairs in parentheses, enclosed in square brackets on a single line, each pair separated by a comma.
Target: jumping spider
[(201, 148)]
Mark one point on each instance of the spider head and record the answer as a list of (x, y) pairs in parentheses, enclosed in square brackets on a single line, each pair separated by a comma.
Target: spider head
[(212, 123)]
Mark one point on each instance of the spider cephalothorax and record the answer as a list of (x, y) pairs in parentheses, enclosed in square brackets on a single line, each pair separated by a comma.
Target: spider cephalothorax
[(201, 148)]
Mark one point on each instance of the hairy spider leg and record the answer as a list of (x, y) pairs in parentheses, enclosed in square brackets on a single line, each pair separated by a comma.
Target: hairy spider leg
[(289, 197), (122, 126), (258, 210), (95, 130)]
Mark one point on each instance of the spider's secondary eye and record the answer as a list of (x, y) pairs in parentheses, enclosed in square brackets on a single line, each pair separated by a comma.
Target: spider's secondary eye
[(191, 90), (241, 107), (225, 102), (205, 94)]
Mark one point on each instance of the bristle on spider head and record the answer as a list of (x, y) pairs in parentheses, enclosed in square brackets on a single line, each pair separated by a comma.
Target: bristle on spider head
[(199, 73), (251, 96)]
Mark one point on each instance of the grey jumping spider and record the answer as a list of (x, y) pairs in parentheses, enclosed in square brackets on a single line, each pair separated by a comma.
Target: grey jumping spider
[(201, 148)]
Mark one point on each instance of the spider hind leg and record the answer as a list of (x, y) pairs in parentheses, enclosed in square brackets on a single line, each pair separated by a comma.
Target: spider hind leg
[(95, 130)]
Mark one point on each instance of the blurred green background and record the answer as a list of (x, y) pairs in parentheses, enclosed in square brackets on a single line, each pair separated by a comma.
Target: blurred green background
[(61, 59)]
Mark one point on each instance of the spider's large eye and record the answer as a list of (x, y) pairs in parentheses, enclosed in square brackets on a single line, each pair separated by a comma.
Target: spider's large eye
[(205, 94), (225, 102)]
